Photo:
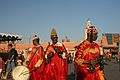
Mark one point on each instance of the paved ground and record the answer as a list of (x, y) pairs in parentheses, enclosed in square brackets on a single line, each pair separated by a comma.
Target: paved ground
[(111, 71)]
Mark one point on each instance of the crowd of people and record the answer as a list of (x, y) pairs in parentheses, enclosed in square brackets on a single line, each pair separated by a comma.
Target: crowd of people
[(52, 64)]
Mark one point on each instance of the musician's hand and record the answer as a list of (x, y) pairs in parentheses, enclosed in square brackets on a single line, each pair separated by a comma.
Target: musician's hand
[(27, 63), (48, 61), (60, 54), (34, 69), (9, 61), (50, 55), (93, 62)]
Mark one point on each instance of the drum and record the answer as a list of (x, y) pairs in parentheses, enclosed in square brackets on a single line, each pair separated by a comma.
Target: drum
[(20, 73)]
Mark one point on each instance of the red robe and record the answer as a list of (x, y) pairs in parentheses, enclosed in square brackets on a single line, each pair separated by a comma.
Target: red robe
[(36, 75), (87, 51), (2, 64), (57, 69)]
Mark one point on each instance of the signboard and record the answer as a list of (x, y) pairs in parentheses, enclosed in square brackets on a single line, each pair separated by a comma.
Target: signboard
[(106, 50)]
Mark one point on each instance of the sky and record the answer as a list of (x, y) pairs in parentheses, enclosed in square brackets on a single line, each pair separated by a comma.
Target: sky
[(68, 17)]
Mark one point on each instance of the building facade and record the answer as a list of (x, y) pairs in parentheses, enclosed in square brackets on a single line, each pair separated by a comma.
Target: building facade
[(110, 43)]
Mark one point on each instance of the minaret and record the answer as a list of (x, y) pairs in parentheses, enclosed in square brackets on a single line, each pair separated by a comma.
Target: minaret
[(89, 23)]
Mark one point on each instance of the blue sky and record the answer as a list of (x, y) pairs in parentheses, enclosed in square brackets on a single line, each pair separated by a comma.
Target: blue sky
[(29, 17)]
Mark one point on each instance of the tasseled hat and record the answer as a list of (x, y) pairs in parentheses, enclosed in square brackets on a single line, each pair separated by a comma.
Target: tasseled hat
[(35, 37), (93, 29), (53, 32)]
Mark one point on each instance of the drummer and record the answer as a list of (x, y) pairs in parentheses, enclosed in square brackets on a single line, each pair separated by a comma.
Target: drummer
[(35, 60)]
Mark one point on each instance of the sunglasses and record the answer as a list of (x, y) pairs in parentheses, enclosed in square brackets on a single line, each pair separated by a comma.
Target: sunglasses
[(55, 37)]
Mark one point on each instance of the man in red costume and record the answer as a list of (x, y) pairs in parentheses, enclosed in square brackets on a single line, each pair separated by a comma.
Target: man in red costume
[(56, 59), (35, 60), (88, 61)]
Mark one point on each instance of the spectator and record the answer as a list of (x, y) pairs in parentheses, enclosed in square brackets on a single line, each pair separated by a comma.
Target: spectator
[(11, 62)]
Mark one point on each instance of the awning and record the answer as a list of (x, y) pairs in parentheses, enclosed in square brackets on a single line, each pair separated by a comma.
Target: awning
[(9, 37)]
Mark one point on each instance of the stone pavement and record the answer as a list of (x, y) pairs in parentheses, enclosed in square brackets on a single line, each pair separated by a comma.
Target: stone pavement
[(111, 70)]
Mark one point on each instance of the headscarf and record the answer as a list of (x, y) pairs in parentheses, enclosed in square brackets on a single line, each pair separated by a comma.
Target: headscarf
[(92, 29), (35, 37)]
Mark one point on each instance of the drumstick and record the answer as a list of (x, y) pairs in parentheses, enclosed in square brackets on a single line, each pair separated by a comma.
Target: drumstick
[(26, 72), (21, 72)]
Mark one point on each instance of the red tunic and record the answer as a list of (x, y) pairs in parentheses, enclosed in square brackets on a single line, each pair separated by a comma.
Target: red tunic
[(87, 51), (57, 69), (36, 75)]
